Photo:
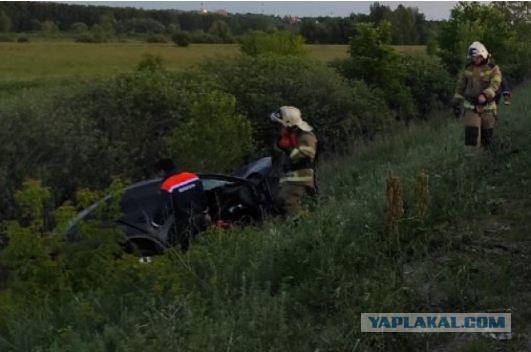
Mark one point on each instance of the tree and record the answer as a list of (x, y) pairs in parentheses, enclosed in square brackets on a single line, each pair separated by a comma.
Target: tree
[(173, 28), (79, 27), (471, 22), (221, 29), (107, 23), (404, 26), (373, 60), (276, 43), (49, 27), (5, 22), (379, 13)]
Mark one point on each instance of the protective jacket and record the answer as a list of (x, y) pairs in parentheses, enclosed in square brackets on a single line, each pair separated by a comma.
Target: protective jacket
[(476, 80), (300, 149)]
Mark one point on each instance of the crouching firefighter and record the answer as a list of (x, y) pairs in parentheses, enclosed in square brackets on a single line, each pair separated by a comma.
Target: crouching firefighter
[(476, 90), (181, 195), (296, 147)]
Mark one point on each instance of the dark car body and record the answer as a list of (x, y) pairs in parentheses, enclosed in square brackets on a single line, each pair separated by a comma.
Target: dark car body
[(246, 196)]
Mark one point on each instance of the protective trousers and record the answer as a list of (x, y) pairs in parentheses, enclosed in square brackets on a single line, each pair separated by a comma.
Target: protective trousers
[(479, 127), (289, 199)]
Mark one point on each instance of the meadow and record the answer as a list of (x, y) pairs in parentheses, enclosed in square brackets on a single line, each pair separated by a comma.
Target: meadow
[(62, 59)]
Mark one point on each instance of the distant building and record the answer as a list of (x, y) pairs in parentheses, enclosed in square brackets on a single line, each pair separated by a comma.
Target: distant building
[(291, 19), (221, 12), (204, 11)]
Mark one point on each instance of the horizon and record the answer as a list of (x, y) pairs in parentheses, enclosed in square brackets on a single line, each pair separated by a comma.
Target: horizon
[(432, 10)]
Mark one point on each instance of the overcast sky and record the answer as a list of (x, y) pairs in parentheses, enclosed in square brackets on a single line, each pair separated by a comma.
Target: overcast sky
[(434, 10)]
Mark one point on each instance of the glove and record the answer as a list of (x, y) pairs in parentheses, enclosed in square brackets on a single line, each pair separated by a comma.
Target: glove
[(287, 141), (284, 142)]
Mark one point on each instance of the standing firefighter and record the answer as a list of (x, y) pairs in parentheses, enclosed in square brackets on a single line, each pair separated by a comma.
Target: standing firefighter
[(476, 90), (297, 147), (183, 197)]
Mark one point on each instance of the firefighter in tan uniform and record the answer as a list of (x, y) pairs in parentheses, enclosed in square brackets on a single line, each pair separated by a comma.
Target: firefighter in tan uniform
[(476, 90), (297, 145)]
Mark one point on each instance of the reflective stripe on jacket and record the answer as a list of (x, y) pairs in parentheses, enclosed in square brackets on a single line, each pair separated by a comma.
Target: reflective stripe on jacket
[(476, 80), (299, 166)]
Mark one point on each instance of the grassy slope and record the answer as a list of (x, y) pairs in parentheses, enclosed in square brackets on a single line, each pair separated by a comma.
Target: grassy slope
[(302, 286)]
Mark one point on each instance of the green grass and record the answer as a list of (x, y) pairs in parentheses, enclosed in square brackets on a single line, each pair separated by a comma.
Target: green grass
[(301, 287), (60, 58)]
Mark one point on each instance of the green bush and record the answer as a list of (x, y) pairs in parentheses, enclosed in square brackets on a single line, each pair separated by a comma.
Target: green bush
[(156, 38), (412, 86), (115, 127), (431, 86), (91, 38), (22, 40), (374, 61), (215, 138), (150, 63), (275, 43), (338, 112), (493, 25), (181, 39), (79, 27), (201, 37)]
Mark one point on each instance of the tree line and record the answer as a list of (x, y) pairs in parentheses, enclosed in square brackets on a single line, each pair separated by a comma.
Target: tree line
[(409, 26)]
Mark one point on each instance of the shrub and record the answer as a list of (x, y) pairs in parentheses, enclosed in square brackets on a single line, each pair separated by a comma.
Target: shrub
[(156, 38), (181, 39), (215, 137), (374, 61), (150, 63), (79, 27), (275, 43), (431, 86), (91, 38), (262, 84), (413, 85), (204, 38), (22, 40)]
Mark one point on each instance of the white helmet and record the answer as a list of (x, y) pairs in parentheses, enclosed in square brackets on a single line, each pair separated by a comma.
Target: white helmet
[(290, 116), (475, 49)]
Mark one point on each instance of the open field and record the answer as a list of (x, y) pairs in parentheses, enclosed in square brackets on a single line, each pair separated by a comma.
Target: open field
[(53, 59)]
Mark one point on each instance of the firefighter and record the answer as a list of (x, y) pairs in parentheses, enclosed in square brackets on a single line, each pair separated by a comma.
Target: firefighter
[(297, 147), (476, 90), (181, 195)]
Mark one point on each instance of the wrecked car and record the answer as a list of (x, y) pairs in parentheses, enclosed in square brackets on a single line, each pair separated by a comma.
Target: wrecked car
[(245, 196)]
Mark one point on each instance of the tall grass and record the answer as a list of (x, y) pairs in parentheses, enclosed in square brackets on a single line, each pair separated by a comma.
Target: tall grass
[(290, 286)]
